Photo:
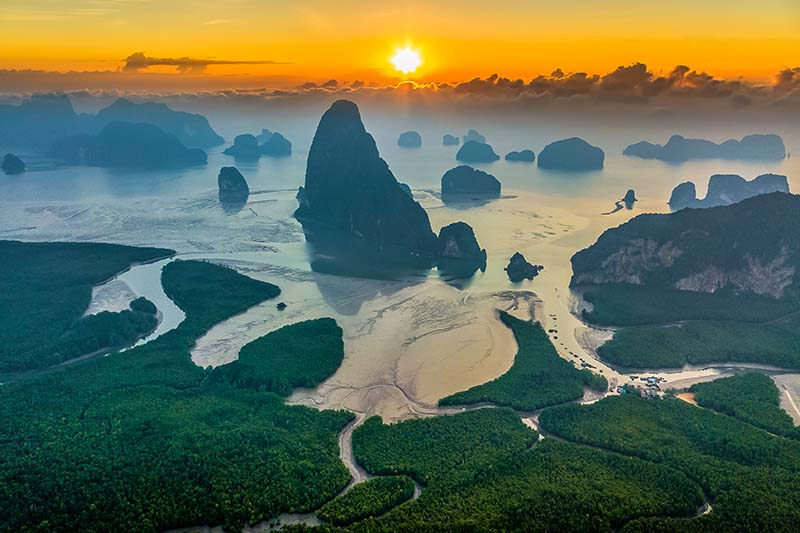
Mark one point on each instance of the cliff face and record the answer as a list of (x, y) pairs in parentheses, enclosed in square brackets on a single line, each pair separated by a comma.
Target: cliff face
[(350, 188), (749, 247)]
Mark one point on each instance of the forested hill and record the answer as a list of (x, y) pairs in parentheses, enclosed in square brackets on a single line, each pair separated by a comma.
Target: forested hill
[(750, 247)]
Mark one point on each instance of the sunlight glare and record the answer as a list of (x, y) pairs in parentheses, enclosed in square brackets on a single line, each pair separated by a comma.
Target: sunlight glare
[(406, 60)]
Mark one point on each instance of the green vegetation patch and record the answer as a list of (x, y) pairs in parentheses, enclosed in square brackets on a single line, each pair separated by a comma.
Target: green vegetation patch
[(538, 378), (481, 471), (143, 305), (636, 305), (444, 447), (298, 355), (371, 498), (45, 289), (774, 343), (750, 397), (752, 477), (142, 440)]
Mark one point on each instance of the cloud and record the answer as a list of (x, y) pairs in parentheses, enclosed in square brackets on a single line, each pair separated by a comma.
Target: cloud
[(788, 79), (139, 61), (628, 88), (217, 22)]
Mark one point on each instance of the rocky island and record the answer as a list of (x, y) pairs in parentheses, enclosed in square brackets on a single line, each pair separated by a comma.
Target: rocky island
[(519, 268), (349, 188), (44, 119), (522, 156), (38, 121), (726, 189), (476, 152), (571, 154), (233, 189), (127, 145), (275, 145), (12, 165), (245, 146), (409, 139), (191, 129), (450, 140), (679, 149), (459, 251), (465, 180), (473, 135)]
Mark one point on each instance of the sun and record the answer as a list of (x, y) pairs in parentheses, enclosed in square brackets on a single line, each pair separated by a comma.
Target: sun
[(406, 60)]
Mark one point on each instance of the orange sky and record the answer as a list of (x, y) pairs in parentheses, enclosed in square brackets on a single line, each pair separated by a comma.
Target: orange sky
[(348, 39)]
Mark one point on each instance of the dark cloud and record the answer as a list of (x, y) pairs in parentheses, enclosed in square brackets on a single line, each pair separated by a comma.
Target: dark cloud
[(788, 80), (139, 61)]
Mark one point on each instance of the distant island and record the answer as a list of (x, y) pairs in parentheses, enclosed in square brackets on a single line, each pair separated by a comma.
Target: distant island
[(12, 165), (571, 154), (45, 118), (679, 149), (409, 139), (191, 129), (473, 135), (522, 156), (465, 180), (127, 145), (246, 146), (273, 144), (476, 152), (726, 189), (450, 140)]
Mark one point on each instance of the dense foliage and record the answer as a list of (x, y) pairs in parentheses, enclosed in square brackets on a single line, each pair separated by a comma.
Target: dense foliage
[(104, 331), (45, 289), (142, 441), (480, 472), (633, 305), (538, 378), (752, 477), (298, 355), (706, 341), (143, 305), (371, 498), (462, 444), (750, 397)]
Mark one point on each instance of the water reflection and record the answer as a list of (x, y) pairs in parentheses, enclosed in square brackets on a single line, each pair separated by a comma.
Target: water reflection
[(232, 203)]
